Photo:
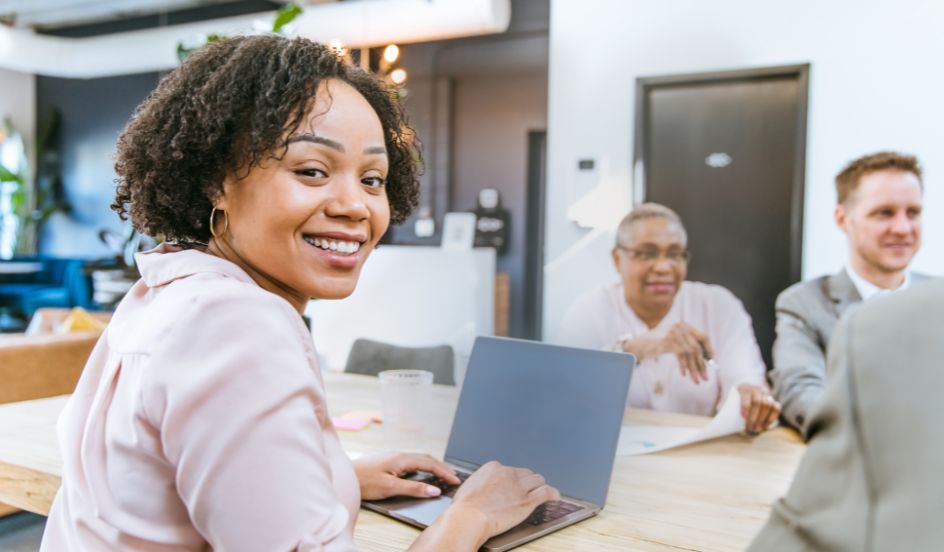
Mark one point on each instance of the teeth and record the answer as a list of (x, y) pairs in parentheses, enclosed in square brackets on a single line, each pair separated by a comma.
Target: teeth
[(343, 247)]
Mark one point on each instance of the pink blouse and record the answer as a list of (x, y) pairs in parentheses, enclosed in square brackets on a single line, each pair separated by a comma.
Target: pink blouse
[(200, 423), (600, 318)]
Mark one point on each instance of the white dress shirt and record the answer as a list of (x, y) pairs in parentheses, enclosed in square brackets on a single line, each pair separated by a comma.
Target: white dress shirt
[(868, 290)]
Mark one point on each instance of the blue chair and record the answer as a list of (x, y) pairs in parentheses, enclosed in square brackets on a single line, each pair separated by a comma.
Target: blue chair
[(62, 282)]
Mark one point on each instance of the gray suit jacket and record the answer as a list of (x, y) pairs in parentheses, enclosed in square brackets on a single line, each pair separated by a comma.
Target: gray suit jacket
[(807, 313), (871, 476)]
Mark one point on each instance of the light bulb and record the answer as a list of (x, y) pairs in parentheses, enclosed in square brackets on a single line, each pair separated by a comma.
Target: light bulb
[(398, 76), (391, 53), (336, 45)]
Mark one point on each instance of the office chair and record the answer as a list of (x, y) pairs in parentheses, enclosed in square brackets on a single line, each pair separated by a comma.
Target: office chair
[(372, 357)]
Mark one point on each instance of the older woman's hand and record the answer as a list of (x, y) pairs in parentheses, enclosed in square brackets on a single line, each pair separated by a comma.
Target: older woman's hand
[(379, 475), (758, 408), (690, 345)]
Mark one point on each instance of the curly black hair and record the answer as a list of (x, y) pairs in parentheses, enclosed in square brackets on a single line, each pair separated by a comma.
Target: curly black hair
[(230, 106)]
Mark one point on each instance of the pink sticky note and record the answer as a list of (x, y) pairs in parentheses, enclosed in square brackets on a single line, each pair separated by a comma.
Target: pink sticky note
[(350, 424), (355, 420)]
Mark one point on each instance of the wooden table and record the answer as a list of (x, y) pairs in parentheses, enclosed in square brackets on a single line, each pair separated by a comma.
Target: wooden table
[(29, 453), (708, 496)]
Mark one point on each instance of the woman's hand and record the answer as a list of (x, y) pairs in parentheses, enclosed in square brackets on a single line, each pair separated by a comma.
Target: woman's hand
[(758, 408), (503, 495), (690, 345), (379, 475), (493, 500)]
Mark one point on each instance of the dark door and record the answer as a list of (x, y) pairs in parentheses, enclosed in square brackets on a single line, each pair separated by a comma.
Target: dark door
[(727, 152)]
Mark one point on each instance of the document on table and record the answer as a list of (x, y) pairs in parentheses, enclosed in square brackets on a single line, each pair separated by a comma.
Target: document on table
[(643, 439)]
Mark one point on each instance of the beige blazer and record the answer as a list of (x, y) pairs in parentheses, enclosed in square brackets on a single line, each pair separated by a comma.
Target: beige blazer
[(871, 476), (807, 314)]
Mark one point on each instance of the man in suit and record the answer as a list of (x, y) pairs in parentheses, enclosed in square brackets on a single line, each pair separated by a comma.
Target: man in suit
[(879, 201), (871, 475)]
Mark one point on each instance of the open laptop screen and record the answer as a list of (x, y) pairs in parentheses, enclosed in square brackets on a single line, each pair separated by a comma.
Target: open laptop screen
[(555, 410)]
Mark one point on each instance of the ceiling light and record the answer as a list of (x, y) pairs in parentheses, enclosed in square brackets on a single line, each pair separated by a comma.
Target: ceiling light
[(398, 76), (391, 53), (336, 45), (361, 23)]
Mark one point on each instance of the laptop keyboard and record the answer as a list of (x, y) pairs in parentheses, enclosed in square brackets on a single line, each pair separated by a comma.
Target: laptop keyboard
[(545, 513), (549, 511), (446, 488)]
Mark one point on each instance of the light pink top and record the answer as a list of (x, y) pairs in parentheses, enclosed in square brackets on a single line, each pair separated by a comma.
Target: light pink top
[(200, 423), (600, 318)]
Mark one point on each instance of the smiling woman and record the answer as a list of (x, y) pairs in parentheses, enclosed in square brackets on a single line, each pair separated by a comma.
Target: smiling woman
[(200, 419), (302, 224)]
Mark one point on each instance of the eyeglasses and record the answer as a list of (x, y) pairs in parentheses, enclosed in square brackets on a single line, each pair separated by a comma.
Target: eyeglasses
[(648, 255)]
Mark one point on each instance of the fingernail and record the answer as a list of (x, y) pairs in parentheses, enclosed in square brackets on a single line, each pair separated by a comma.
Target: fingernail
[(432, 491)]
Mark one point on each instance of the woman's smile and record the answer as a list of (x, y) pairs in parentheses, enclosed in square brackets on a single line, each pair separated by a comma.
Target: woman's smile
[(336, 249)]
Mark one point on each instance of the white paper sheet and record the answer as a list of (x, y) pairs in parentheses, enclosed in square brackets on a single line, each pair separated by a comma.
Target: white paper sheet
[(643, 439)]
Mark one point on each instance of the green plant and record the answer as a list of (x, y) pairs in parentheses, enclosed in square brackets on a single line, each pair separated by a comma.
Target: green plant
[(285, 15)]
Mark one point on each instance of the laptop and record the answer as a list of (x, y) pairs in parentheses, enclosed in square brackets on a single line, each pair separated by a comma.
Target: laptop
[(556, 410)]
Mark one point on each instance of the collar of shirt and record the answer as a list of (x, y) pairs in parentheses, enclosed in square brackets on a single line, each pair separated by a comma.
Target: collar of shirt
[(868, 290), (167, 262)]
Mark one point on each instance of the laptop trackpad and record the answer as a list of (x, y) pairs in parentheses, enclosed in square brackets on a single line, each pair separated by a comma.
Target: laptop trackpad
[(424, 511)]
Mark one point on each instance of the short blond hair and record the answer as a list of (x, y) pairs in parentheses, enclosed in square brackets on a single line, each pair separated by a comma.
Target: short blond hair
[(645, 211), (847, 181)]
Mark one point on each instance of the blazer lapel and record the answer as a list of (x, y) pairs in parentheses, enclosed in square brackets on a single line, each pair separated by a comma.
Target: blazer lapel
[(842, 291)]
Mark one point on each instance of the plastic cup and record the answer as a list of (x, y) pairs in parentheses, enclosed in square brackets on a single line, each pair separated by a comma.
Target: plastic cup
[(404, 404)]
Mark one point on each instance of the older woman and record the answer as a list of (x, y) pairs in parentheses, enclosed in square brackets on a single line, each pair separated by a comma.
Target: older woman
[(693, 341), (200, 420)]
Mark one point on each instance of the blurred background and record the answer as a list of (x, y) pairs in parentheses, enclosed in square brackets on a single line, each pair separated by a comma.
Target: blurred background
[(546, 119)]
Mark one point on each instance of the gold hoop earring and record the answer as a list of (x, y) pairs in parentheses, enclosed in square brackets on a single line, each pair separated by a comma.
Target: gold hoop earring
[(213, 219)]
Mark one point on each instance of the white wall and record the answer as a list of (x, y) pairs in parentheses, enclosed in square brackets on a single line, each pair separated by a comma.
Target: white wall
[(491, 151), (875, 83), (18, 101)]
